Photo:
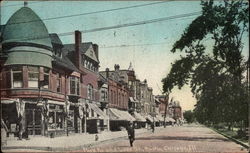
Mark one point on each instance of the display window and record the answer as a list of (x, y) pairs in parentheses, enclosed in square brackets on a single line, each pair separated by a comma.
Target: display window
[(56, 117)]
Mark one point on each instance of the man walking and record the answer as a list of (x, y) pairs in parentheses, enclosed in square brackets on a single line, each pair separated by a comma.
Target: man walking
[(153, 127), (131, 133)]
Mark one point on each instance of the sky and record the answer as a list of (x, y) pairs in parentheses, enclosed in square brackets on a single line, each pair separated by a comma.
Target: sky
[(147, 46)]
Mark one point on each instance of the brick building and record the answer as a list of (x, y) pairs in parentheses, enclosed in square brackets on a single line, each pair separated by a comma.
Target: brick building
[(118, 94), (47, 87)]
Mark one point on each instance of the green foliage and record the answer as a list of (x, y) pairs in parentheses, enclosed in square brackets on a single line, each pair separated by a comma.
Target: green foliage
[(189, 116), (215, 76)]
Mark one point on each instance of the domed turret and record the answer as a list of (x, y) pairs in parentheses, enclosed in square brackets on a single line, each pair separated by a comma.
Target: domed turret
[(26, 39)]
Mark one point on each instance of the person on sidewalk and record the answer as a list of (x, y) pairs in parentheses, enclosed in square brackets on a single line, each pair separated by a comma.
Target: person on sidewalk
[(131, 133), (153, 127)]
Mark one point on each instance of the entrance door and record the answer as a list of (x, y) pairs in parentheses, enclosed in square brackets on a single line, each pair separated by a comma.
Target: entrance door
[(34, 120)]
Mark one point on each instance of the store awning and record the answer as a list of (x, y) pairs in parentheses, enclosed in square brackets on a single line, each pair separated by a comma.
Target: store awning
[(159, 117), (8, 101), (115, 114), (149, 118), (56, 102), (131, 99), (98, 111), (138, 117), (168, 119)]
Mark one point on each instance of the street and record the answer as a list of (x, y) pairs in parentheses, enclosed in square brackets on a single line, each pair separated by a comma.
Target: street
[(187, 138)]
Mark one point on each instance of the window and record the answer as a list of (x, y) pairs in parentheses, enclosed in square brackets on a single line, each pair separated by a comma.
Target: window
[(46, 79), (58, 83), (33, 75), (85, 63), (74, 85), (103, 95), (91, 53), (55, 117), (17, 76), (90, 91)]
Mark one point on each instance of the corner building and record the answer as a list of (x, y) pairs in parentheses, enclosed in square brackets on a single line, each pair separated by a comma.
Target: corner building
[(48, 87)]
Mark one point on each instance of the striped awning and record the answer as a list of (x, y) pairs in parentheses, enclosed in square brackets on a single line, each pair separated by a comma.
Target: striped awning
[(115, 114), (149, 118), (98, 111), (138, 117)]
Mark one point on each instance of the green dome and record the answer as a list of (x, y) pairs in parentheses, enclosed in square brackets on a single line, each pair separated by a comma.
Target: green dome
[(24, 26)]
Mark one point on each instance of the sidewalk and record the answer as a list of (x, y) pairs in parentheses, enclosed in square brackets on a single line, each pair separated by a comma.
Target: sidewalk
[(66, 143)]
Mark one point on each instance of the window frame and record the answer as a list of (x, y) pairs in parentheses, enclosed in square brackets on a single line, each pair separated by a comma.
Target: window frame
[(90, 91), (20, 71), (73, 80)]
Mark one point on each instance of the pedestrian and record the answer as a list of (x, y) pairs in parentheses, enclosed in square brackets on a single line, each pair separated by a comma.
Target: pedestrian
[(131, 133), (153, 127)]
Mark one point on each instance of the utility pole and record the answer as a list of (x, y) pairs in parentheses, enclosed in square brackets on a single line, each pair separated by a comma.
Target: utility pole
[(165, 113)]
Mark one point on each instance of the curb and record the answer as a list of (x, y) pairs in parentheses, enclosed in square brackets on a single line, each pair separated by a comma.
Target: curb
[(81, 147), (231, 138)]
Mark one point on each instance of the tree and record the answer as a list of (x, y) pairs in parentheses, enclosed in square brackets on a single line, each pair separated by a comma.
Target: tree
[(189, 116), (214, 74)]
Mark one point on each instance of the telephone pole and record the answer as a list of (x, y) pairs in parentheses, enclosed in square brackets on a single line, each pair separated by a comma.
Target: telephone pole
[(166, 106)]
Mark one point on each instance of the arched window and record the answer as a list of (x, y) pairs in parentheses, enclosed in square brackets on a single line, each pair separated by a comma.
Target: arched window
[(90, 91)]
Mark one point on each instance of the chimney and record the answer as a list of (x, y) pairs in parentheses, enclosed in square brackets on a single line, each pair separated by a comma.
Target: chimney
[(78, 41), (117, 67), (96, 50), (107, 72)]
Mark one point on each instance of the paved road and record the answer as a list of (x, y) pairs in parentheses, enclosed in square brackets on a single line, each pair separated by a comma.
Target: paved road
[(189, 138)]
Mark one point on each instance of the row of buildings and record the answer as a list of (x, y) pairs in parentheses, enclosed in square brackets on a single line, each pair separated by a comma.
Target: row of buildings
[(55, 88)]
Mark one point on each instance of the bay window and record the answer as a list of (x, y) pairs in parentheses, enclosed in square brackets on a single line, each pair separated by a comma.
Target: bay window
[(46, 78), (33, 76), (74, 85), (17, 77), (58, 83)]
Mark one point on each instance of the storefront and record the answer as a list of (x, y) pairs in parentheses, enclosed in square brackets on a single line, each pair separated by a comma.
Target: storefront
[(9, 115), (96, 118), (56, 118), (119, 119), (140, 122)]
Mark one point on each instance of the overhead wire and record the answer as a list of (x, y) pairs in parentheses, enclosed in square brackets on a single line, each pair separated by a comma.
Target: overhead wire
[(89, 13), (11, 5), (121, 25)]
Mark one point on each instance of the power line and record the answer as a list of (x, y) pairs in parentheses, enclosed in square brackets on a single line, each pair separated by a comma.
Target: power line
[(95, 12), (21, 4), (122, 25), (150, 44)]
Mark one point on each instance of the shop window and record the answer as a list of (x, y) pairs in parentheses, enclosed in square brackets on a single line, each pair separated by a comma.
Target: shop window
[(70, 122), (55, 117), (33, 75), (74, 85), (90, 91), (17, 76)]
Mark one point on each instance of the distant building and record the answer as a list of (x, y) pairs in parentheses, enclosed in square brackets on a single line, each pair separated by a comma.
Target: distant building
[(118, 94)]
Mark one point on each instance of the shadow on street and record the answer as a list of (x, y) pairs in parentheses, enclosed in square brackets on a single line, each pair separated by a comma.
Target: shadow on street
[(213, 139)]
